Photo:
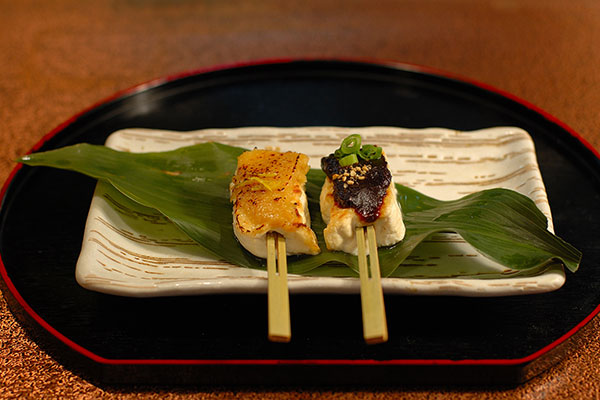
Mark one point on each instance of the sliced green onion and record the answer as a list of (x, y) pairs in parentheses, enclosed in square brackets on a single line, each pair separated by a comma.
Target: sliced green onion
[(370, 152), (338, 154), (348, 160), (351, 145)]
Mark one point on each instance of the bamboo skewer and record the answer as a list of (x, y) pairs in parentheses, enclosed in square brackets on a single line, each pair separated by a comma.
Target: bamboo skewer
[(371, 294), (278, 296)]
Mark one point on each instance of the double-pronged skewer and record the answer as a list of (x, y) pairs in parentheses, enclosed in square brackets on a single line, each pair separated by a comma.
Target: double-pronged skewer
[(278, 296), (371, 294)]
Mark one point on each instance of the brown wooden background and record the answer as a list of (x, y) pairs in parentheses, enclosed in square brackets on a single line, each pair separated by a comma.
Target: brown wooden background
[(59, 57)]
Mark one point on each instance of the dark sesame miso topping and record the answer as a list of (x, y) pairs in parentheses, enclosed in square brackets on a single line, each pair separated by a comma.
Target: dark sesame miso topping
[(361, 186)]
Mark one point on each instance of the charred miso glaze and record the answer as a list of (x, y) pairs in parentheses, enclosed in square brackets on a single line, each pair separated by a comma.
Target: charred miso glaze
[(361, 186)]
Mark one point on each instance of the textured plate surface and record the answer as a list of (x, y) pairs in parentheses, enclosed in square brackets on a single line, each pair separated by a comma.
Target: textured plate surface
[(133, 251)]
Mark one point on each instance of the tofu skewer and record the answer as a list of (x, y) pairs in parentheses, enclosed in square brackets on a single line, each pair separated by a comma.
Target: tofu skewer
[(359, 195), (271, 220)]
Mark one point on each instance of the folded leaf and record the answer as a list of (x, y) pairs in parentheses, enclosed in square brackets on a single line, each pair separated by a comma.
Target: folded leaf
[(190, 186)]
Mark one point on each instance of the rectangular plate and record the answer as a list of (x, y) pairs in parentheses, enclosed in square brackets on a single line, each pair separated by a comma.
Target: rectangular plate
[(131, 250)]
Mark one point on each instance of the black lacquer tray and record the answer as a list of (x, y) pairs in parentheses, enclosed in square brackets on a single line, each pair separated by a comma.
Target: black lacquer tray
[(221, 339)]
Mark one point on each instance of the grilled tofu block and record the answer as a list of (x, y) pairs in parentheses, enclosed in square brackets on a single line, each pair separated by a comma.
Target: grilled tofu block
[(359, 195), (268, 195)]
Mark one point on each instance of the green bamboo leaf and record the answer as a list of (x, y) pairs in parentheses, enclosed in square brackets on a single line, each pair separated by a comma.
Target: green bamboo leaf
[(190, 186)]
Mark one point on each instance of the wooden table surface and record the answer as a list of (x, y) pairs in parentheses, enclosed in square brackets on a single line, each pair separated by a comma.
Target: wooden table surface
[(61, 56)]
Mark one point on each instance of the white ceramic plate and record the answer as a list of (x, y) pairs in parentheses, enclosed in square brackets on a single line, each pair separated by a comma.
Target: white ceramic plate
[(130, 250)]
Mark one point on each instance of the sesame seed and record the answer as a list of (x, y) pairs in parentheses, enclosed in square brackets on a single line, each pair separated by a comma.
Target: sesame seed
[(350, 182)]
